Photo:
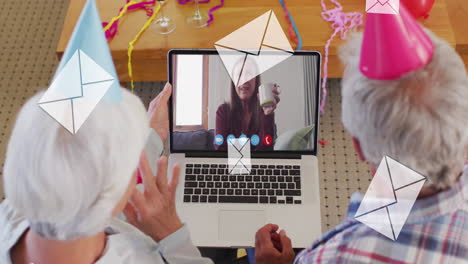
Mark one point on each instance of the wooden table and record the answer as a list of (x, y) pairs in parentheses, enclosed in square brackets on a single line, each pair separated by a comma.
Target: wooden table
[(458, 10), (149, 57)]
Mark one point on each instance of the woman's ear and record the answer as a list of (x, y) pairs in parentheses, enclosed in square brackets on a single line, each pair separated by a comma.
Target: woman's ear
[(357, 148)]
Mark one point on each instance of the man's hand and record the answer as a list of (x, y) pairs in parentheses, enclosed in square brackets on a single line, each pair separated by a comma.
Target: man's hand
[(154, 211), (158, 112), (271, 247)]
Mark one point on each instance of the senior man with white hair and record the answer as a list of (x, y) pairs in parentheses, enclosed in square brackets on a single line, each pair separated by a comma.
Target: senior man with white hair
[(419, 118), (64, 190)]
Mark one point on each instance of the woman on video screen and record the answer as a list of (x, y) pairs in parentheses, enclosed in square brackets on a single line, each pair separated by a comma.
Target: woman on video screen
[(245, 114)]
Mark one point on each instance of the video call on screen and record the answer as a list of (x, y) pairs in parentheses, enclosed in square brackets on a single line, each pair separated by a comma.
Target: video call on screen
[(274, 109)]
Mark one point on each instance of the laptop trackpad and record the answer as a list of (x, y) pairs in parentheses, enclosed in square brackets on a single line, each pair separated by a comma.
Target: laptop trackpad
[(240, 225)]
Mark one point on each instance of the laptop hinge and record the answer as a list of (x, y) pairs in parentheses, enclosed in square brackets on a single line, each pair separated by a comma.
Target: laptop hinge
[(270, 155)]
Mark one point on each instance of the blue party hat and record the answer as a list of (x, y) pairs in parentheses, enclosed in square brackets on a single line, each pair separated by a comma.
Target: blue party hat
[(85, 76)]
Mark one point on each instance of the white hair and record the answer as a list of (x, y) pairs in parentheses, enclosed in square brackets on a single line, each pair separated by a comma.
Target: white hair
[(419, 119), (67, 185)]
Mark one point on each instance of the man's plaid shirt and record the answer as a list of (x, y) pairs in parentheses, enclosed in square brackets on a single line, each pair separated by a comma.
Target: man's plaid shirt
[(436, 231)]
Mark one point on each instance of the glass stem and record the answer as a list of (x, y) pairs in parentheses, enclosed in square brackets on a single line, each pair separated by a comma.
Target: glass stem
[(197, 9), (162, 9)]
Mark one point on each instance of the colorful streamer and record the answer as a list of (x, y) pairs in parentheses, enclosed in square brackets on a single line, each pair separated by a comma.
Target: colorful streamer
[(132, 43), (122, 11), (111, 28), (293, 31), (210, 12), (183, 2), (341, 23)]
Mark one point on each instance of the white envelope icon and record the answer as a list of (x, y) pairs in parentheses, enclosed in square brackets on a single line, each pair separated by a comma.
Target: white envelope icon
[(261, 41), (239, 156), (383, 6), (390, 197), (76, 91)]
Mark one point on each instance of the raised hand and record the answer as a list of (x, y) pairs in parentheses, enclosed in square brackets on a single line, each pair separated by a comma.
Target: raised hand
[(154, 211), (158, 112)]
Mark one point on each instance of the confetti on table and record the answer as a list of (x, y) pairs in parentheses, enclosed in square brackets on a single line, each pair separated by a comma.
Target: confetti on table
[(323, 142), (341, 23)]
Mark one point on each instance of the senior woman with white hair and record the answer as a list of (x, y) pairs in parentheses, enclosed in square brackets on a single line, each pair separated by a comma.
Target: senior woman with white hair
[(63, 191), (420, 119)]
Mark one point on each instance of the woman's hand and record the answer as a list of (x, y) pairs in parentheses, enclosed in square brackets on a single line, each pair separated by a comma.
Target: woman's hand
[(158, 112), (268, 110), (271, 247), (154, 211)]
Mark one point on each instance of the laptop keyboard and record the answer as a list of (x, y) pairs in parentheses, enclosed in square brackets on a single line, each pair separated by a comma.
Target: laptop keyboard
[(266, 184)]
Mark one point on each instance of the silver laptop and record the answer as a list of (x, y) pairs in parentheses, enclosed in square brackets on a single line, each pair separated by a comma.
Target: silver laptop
[(223, 208)]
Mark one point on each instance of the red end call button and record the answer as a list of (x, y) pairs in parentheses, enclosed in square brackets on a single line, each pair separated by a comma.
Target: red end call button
[(267, 140)]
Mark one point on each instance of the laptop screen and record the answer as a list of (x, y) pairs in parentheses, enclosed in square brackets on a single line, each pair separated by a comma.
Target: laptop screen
[(214, 100)]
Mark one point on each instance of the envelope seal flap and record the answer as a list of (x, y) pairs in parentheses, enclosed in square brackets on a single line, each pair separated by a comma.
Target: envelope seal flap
[(383, 6), (402, 175), (248, 37), (66, 84), (91, 72), (275, 37)]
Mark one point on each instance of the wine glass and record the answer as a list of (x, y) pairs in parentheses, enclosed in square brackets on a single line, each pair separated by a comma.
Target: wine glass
[(163, 25), (198, 19)]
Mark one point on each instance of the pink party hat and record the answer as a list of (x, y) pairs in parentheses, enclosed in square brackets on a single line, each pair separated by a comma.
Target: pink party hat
[(393, 45)]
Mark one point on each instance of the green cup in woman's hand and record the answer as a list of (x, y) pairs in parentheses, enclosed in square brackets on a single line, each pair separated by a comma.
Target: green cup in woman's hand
[(268, 96)]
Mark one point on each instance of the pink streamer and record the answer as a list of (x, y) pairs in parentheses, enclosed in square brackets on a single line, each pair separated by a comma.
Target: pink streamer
[(183, 2), (214, 8), (341, 23), (112, 31)]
